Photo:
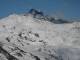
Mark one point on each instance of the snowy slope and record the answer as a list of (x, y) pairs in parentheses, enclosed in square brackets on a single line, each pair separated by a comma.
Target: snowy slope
[(28, 38)]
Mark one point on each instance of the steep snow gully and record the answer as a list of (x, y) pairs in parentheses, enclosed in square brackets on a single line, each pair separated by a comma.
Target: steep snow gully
[(34, 36)]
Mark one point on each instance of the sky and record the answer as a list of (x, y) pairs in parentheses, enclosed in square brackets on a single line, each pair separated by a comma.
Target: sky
[(68, 9)]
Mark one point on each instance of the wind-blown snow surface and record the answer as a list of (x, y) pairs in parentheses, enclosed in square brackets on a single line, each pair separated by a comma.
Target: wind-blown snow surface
[(28, 38)]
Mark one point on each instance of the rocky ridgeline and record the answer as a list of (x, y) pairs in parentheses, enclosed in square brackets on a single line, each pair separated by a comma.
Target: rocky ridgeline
[(40, 15)]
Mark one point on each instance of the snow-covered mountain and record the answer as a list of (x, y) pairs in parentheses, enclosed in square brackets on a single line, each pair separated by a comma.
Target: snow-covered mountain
[(34, 36)]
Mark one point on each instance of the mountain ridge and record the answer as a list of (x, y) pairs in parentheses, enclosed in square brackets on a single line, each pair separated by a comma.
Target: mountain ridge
[(25, 37)]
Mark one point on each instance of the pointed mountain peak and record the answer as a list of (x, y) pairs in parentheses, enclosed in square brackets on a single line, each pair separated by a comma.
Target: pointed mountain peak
[(36, 12)]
